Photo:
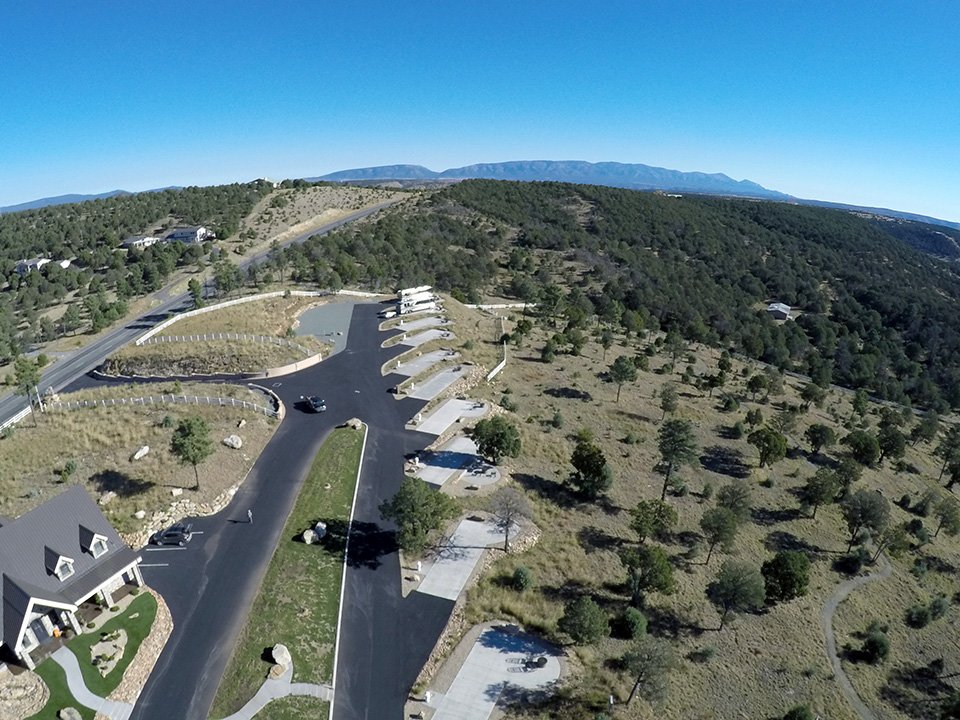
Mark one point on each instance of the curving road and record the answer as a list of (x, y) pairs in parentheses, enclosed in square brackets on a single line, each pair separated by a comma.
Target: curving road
[(210, 585), (82, 361), (826, 624)]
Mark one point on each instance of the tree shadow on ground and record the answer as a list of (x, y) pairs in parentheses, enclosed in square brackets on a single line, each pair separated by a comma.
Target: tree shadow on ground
[(568, 393), (551, 490), (569, 590), (724, 461), (796, 453), (727, 432), (778, 541), (670, 623), (120, 483), (917, 691), (368, 541), (592, 539), (636, 417), (773, 516)]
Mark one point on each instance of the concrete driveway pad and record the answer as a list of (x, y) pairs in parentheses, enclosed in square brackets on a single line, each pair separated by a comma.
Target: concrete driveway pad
[(436, 384), (437, 422), (456, 559), (417, 365), (421, 323), (426, 336), (502, 664), (449, 461)]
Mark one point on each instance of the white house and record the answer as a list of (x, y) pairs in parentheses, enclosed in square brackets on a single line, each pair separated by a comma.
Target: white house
[(139, 241), (25, 267), (190, 235), (779, 311), (53, 559)]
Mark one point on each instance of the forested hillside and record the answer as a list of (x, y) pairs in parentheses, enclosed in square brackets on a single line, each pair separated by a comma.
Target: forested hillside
[(89, 234), (873, 312)]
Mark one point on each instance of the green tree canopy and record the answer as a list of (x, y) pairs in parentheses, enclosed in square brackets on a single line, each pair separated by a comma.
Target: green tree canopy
[(622, 371), (677, 447), (891, 442), (652, 518), (191, 443), (863, 447), (786, 575), (648, 570), (719, 526), (583, 621), (738, 588), (865, 510), (417, 511), (821, 489), (669, 400), (819, 436), (496, 438), (737, 497), (591, 476), (771, 445), (649, 663)]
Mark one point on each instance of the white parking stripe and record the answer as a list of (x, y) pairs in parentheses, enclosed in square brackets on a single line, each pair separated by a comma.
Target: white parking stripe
[(163, 549), (143, 565)]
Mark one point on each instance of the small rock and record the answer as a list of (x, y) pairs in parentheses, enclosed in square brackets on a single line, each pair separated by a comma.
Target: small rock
[(233, 441), (320, 529), (139, 454), (241, 423), (327, 486), (107, 497), (281, 655), (69, 713), (140, 514), (275, 672), (309, 536), (176, 492)]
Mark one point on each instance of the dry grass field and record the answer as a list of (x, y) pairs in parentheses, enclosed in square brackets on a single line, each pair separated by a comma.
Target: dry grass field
[(270, 317), (100, 442), (760, 664)]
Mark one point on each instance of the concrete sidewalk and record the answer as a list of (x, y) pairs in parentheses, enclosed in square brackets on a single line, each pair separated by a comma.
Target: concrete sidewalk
[(78, 688), (278, 688), (502, 663), (457, 558)]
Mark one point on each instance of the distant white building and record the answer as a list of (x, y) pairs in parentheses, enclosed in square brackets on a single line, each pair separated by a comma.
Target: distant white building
[(140, 241), (25, 267), (189, 235), (779, 311)]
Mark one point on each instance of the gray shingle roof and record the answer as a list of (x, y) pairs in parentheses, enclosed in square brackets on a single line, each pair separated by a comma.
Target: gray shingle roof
[(31, 545)]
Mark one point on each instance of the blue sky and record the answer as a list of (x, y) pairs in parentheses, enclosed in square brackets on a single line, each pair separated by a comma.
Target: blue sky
[(847, 101)]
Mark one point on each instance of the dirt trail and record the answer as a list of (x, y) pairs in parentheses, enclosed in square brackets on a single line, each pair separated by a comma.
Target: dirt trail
[(826, 623)]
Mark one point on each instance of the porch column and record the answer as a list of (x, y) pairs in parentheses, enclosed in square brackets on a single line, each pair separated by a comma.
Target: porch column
[(74, 623), (137, 577), (107, 598), (27, 660)]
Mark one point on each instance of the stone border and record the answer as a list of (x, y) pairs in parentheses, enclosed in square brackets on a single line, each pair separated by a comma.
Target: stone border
[(138, 672)]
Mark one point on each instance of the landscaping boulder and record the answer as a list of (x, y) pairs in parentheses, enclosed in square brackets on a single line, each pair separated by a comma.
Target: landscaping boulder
[(69, 713), (176, 492), (275, 672), (320, 529), (354, 423), (139, 454), (140, 514), (241, 423), (107, 497), (309, 536), (281, 655), (233, 441)]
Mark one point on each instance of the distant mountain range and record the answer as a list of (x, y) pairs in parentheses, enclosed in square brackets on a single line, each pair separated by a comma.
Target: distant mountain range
[(640, 177), (627, 175)]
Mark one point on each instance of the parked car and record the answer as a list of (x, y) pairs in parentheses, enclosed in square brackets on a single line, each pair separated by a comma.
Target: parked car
[(176, 534), (315, 403)]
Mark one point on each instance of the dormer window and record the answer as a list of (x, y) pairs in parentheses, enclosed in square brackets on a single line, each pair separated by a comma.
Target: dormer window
[(98, 547), (64, 568)]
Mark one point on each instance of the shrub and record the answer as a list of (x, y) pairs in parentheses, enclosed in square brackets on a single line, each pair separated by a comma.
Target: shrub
[(631, 439), (522, 579), (729, 404), (167, 422), (635, 623), (584, 621), (938, 607), (852, 562), (800, 712), (467, 345), (42, 360), (918, 616), (703, 655), (786, 575), (557, 420), (876, 645), (707, 491), (507, 404), (767, 482), (738, 430), (919, 568)]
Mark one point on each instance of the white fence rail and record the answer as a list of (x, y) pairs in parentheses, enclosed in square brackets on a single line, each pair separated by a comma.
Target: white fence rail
[(263, 339), (162, 400), (15, 419)]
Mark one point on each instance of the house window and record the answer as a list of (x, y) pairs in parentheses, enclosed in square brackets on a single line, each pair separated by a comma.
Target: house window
[(99, 547), (64, 569)]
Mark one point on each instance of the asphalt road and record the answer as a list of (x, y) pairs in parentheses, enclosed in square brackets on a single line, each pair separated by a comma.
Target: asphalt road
[(73, 366), (210, 584)]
